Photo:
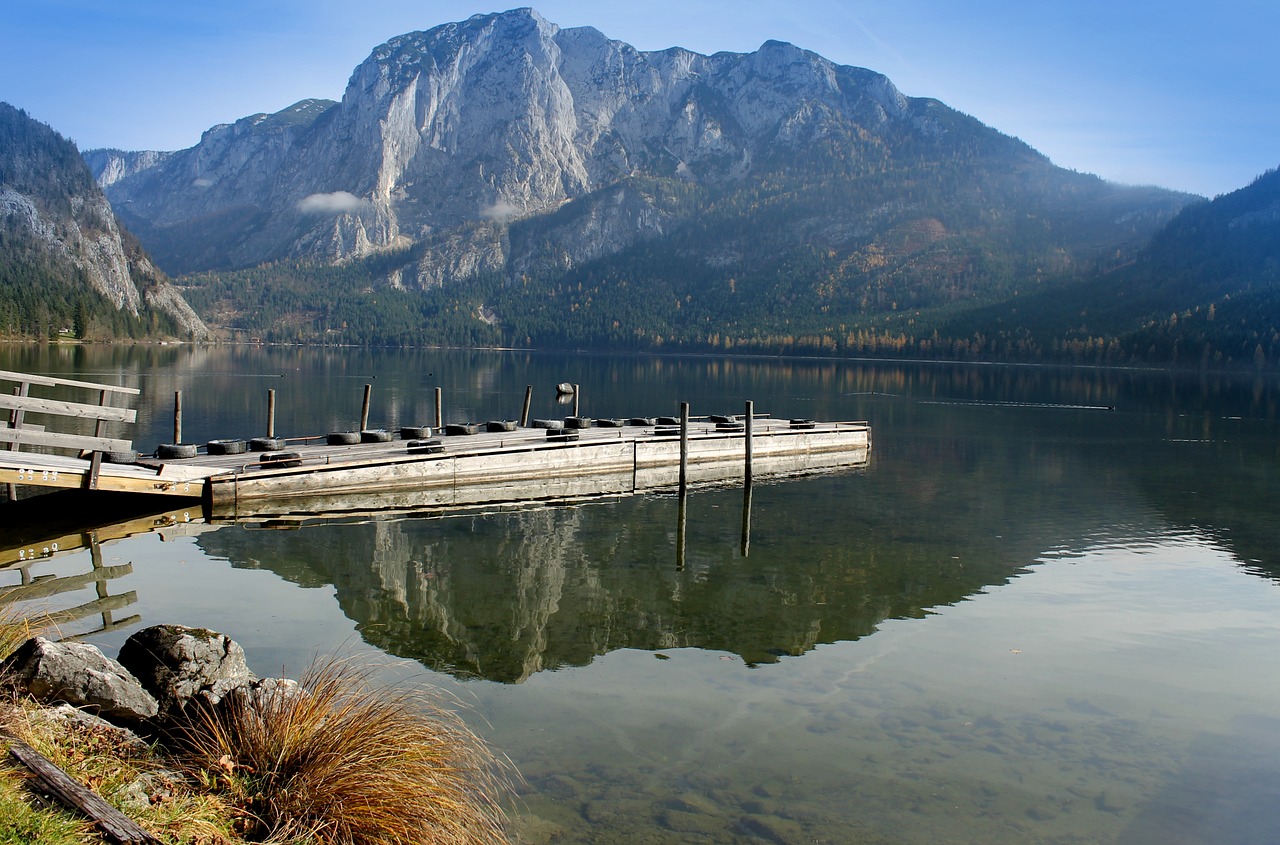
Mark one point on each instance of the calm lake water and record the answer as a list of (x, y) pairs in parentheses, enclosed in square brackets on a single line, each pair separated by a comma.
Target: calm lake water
[(1046, 612)]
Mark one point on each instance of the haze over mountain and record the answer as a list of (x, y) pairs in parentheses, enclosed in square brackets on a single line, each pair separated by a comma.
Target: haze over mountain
[(503, 181), (65, 264)]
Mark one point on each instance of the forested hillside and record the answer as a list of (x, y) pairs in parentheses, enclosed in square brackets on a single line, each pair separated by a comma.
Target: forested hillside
[(1204, 291), (65, 266)]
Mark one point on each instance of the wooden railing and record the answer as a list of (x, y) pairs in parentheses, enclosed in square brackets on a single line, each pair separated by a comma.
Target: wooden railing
[(19, 402)]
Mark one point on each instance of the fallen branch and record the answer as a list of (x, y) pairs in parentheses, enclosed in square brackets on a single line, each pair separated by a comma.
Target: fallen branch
[(52, 781)]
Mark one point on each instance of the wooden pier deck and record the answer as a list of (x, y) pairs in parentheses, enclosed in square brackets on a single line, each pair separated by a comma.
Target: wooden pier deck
[(310, 476)]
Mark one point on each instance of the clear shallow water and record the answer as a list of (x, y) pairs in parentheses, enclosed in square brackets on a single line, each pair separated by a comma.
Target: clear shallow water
[(1029, 620)]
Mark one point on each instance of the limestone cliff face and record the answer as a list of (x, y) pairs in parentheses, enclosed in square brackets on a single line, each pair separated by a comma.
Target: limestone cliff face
[(53, 210), (470, 126)]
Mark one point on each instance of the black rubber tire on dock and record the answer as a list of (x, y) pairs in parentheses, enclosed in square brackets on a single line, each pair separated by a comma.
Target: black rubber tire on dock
[(415, 432), (578, 422), (642, 421), (173, 451), (342, 438), (375, 435), (607, 423), (122, 457), (500, 425), (225, 447), (281, 460), (803, 424), (461, 428), (668, 421), (425, 447), (731, 426), (666, 431), (720, 418), (548, 424), (560, 435), (266, 444)]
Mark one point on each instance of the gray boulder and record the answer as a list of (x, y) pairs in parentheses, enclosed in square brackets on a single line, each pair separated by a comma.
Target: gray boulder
[(82, 676), (176, 664)]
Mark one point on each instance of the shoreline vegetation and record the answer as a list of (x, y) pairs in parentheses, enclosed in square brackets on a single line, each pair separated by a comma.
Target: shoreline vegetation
[(331, 758), (1234, 368)]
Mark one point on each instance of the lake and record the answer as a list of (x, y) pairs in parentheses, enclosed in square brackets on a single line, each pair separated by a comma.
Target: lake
[(1046, 611)]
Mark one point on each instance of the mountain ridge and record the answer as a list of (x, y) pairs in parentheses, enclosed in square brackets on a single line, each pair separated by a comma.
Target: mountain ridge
[(65, 263), (501, 180)]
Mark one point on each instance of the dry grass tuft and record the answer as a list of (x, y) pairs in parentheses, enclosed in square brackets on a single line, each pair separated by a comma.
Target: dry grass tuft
[(16, 628), (340, 761)]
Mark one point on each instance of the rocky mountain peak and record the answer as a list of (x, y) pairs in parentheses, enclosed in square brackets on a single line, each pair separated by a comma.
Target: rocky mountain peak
[(452, 142)]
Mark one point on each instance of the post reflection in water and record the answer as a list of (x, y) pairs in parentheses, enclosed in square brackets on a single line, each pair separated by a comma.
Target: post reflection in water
[(1028, 619)]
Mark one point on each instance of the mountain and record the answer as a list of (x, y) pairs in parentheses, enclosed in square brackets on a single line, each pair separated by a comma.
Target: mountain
[(1205, 290), (64, 261), (531, 184)]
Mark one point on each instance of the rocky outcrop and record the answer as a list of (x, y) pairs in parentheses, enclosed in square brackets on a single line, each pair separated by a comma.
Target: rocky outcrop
[(177, 664), (58, 220), (82, 676), (161, 672)]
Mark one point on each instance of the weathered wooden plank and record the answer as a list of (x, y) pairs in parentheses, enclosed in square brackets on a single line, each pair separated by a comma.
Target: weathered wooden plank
[(54, 782), (60, 408), (36, 473), (57, 440), (50, 381)]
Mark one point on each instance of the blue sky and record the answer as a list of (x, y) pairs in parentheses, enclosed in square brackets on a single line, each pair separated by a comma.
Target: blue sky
[(1180, 94)]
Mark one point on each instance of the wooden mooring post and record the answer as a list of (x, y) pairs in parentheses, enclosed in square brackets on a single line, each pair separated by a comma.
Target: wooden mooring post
[(577, 394), (439, 412), (528, 400), (271, 413), (748, 448), (684, 448), (364, 407), (177, 417)]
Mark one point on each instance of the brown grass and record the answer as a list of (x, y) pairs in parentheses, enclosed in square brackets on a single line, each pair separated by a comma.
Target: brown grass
[(16, 628), (97, 757), (346, 763)]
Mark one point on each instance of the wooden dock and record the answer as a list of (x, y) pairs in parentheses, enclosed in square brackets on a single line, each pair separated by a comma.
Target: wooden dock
[(311, 475)]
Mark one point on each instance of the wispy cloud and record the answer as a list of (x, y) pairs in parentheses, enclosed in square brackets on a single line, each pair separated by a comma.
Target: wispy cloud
[(501, 211), (338, 202)]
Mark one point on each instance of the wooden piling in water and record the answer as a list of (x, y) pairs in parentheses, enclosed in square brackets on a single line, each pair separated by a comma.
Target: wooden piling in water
[(684, 447), (577, 393), (177, 417), (439, 412), (271, 413), (748, 449), (364, 407), (528, 399)]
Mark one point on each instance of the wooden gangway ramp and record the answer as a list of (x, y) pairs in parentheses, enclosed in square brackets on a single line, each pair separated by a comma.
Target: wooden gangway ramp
[(86, 456)]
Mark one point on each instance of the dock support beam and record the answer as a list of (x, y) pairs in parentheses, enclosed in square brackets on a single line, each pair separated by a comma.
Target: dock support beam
[(528, 399)]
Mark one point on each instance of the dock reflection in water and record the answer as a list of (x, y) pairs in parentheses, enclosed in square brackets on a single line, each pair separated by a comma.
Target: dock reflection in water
[(47, 531)]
